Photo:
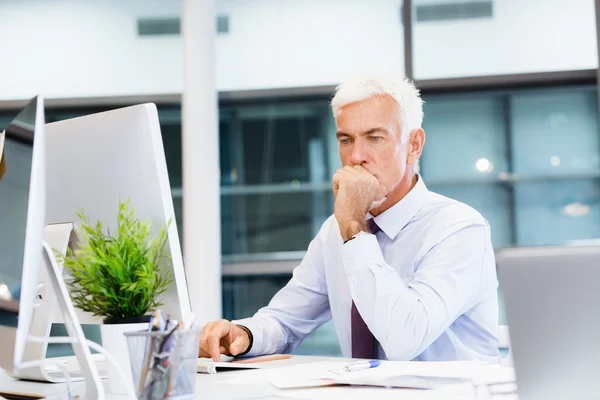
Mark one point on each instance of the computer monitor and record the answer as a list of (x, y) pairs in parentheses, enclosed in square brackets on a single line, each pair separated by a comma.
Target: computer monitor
[(96, 161), (552, 306), (22, 220)]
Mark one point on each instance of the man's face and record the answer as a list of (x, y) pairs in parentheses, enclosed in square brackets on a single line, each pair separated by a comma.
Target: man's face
[(369, 134)]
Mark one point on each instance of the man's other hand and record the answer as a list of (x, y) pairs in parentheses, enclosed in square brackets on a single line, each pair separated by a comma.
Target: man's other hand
[(356, 192), (222, 337)]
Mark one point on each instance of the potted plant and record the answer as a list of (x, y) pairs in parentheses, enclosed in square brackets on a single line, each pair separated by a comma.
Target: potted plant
[(117, 277)]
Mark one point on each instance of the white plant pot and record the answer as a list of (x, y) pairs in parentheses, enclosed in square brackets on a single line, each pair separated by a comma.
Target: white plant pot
[(115, 342)]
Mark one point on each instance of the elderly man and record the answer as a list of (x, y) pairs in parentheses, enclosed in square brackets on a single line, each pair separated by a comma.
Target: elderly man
[(405, 273)]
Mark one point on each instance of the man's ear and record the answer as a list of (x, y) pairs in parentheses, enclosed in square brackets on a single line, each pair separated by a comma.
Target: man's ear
[(416, 141)]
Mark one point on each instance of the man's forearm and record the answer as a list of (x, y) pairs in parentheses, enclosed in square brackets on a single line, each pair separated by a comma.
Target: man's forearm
[(351, 228)]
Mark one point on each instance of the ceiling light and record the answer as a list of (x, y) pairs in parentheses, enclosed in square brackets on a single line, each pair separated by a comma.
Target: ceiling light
[(484, 165), (4, 292), (576, 209)]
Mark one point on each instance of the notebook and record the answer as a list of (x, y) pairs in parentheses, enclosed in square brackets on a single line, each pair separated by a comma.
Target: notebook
[(208, 366)]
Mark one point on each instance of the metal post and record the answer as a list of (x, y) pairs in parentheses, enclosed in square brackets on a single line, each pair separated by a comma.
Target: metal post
[(597, 9), (201, 176), (408, 42)]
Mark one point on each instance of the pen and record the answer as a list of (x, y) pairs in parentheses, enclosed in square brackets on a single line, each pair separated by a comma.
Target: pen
[(154, 325), (360, 365)]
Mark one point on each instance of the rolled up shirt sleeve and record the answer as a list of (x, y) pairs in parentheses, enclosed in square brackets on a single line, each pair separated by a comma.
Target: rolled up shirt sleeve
[(295, 311)]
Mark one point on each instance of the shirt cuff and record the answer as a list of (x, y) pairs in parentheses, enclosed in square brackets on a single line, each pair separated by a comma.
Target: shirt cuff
[(361, 252), (249, 323)]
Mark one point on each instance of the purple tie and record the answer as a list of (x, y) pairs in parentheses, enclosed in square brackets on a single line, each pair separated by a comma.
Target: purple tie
[(363, 341)]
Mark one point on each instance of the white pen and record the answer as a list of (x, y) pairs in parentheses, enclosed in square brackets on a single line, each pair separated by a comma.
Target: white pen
[(360, 365)]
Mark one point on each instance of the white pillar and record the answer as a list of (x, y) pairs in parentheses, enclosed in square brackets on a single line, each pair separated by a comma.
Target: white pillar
[(201, 175)]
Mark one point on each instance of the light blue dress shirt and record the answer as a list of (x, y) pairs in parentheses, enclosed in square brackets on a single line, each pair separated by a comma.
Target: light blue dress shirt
[(425, 285)]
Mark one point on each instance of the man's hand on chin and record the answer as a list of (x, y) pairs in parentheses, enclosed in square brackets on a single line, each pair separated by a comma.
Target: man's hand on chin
[(355, 191)]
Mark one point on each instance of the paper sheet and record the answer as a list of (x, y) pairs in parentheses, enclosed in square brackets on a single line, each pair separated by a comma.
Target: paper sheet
[(434, 374), (473, 370)]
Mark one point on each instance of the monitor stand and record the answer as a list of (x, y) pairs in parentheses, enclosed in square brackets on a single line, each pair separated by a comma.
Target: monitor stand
[(52, 295), (93, 384), (46, 309)]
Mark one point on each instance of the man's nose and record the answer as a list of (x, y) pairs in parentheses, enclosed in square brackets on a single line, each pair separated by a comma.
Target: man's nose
[(358, 156)]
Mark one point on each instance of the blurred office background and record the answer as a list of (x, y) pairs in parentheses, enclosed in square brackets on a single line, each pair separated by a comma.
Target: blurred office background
[(510, 90)]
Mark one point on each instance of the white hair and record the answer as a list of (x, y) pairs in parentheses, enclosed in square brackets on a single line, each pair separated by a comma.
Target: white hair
[(402, 90)]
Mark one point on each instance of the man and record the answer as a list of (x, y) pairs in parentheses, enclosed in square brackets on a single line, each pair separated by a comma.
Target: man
[(406, 274)]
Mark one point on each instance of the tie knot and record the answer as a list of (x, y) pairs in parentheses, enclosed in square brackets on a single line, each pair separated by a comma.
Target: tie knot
[(373, 227)]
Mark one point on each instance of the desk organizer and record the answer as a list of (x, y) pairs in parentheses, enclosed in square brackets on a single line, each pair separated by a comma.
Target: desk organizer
[(163, 364)]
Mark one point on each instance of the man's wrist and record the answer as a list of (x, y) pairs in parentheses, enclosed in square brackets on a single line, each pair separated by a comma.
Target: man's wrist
[(351, 228), (250, 339)]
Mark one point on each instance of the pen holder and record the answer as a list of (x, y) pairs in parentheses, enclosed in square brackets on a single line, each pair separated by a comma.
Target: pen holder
[(162, 365)]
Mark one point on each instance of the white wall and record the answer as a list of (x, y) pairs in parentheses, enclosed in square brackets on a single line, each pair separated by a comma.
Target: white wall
[(69, 48), (523, 36), (74, 48)]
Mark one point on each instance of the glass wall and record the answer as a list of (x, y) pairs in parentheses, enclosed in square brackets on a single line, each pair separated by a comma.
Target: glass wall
[(527, 160), (524, 158)]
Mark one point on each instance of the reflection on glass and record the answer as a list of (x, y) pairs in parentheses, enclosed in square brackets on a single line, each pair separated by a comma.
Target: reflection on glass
[(554, 213), (272, 222), (576, 209), (269, 143), (463, 132), (559, 126)]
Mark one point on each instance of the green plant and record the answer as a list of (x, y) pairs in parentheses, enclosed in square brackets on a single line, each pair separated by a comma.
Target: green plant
[(117, 277)]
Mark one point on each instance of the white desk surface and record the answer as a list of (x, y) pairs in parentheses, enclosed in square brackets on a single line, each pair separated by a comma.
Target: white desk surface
[(209, 387)]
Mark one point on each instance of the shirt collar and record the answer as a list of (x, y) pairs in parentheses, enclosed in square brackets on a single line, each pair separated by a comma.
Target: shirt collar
[(394, 219)]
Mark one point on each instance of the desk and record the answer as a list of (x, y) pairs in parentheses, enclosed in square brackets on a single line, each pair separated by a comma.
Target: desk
[(208, 387)]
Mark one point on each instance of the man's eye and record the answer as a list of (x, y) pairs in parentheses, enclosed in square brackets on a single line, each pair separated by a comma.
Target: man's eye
[(376, 139), (344, 141)]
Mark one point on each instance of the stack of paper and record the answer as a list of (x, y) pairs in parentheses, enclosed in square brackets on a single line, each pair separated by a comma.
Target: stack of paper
[(391, 374), (426, 380)]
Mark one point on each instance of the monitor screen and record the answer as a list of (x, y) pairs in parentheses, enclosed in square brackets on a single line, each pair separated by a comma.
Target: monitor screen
[(14, 200)]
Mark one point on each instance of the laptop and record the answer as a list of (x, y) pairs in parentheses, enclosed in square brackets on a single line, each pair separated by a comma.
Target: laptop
[(552, 301)]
